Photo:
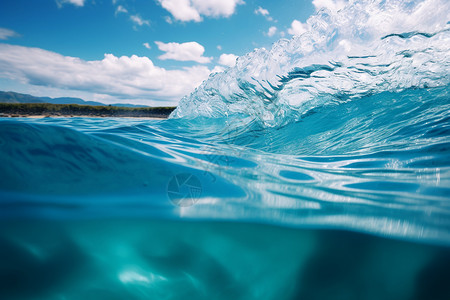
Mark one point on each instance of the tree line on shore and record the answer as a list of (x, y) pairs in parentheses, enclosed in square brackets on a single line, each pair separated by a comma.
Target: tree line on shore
[(34, 109)]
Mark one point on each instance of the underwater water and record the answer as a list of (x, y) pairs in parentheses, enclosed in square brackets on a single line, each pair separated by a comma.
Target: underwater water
[(319, 169)]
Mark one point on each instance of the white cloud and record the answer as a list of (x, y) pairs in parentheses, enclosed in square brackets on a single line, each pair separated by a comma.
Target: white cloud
[(263, 12), (228, 60), (123, 77), (7, 33), (121, 9), (333, 5), (136, 19), (168, 19), (193, 10), (219, 47), (272, 31), (74, 2), (190, 51), (139, 21), (181, 10), (147, 45), (297, 28)]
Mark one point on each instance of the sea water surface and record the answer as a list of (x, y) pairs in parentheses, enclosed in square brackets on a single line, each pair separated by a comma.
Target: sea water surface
[(319, 169)]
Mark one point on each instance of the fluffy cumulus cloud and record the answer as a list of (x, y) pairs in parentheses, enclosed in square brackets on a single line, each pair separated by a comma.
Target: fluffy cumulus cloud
[(121, 77), (228, 60), (7, 33), (272, 31), (193, 10), (190, 51), (297, 28)]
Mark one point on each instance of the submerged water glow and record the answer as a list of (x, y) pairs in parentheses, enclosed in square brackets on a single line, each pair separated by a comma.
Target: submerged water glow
[(317, 170)]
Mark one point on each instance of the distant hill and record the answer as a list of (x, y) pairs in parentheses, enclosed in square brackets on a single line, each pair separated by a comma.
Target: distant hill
[(69, 100), (13, 97)]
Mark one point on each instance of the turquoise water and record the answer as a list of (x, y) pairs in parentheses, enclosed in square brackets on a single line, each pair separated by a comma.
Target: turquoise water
[(355, 207), (318, 169)]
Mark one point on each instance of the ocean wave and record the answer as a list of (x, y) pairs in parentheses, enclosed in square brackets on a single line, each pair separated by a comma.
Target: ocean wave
[(345, 126), (377, 165), (357, 51)]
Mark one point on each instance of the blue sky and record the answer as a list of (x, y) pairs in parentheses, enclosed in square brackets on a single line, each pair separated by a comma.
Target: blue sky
[(137, 51)]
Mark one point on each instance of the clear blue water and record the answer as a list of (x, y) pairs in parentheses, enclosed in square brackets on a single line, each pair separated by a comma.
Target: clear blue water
[(377, 165), (143, 209), (296, 174)]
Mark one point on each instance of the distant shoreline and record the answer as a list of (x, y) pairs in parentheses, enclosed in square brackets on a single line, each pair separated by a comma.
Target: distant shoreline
[(76, 116), (43, 110)]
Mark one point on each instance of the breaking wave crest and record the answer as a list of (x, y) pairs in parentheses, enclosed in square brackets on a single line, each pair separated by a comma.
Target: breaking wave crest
[(366, 48)]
